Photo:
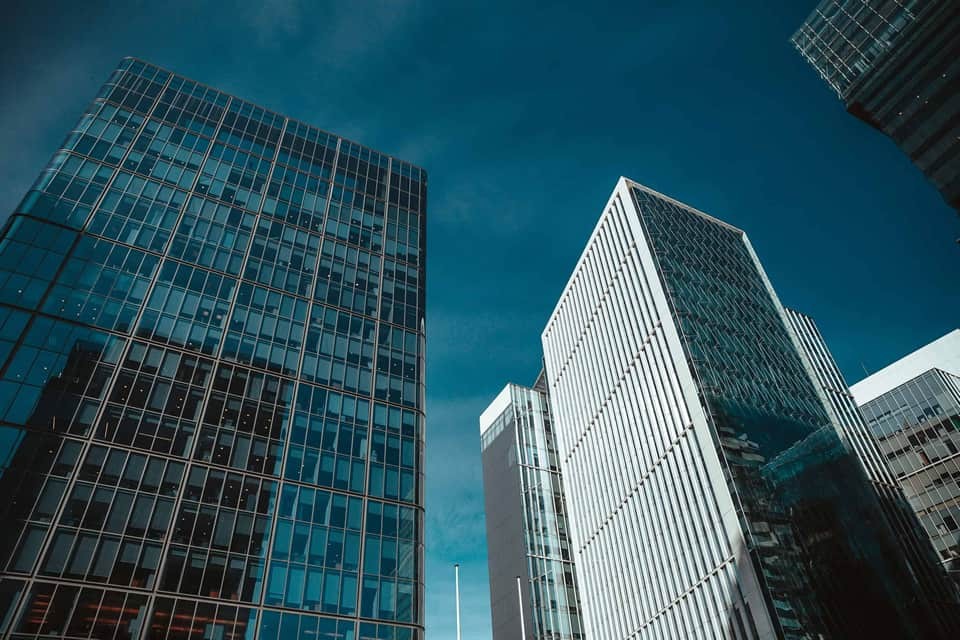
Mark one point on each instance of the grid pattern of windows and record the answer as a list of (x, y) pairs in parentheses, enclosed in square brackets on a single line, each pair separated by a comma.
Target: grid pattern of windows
[(30, 256), (266, 329), (390, 563), (296, 197), (80, 612), (233, 176), (187, 308), (287, 626), (102, 284), (917, 427), (114, 518), (191, 106), (895, 63), (213, 235), (394, 453), (220, 534), (167, 154), (283, 257), (316, 551), (46, 462), (67, 190), (329, 439), (842, 39), (155, 402), (105, 134), (245, 420), (54, 361), (182, 619), (138, 212), (348, 277), (339, 349), (190, 408)]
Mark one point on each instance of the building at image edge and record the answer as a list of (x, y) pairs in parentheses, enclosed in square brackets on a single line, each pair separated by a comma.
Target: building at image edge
[(211, 378)]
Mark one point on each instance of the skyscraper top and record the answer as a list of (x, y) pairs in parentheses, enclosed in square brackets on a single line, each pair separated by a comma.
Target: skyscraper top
[(843, 39), (264, 117), (630, 184)]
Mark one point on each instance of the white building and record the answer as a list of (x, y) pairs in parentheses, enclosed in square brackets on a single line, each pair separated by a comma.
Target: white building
[(943, 353), (708, 493)]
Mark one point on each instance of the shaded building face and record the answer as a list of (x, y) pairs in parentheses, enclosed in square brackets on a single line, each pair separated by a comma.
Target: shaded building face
[(938, 592), (895, 64), (533, 588), (707, 485), (211, 378)]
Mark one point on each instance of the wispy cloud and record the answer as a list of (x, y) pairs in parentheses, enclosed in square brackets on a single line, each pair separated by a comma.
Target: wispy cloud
[(337, 34), (276, 21)]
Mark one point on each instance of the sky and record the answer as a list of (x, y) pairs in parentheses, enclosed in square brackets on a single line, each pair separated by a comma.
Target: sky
[(524, 117)]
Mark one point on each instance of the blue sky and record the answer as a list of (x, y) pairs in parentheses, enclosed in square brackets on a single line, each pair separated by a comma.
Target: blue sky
[(524, 117)]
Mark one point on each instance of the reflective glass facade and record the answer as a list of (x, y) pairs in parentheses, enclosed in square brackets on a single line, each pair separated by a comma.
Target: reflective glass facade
[(896, 64), (917, 427), (936, 588), (211, 378), (709, 491), (844, 39), (526, 521)]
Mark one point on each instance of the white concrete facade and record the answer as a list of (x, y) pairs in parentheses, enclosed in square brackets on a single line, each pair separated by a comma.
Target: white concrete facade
[(658, 547), (943, 353), (839, 399)]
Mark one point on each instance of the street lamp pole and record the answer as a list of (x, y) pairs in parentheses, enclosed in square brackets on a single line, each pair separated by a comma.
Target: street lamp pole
[(456, 578), (523, 630)]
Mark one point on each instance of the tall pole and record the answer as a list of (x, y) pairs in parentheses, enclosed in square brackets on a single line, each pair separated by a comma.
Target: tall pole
[(456, 579), (523, 630)]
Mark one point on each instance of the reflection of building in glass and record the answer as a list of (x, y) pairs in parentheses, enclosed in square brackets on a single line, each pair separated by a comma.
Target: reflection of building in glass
[(709, 493), (913, 542), (211, 339), (526, 520), (916, 425), (896, 66)]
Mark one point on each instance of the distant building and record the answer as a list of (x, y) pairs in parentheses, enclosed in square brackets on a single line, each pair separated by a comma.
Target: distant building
[(526, 521), (943, 353), (710, 493), (896, 66), (211, 378), (914, 416)]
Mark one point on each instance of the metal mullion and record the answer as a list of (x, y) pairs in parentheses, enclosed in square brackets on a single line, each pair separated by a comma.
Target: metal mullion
[(373, 402), (296, 391)]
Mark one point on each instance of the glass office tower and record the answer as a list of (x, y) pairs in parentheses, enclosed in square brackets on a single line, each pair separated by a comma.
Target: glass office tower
[(211, 378), (709, 493), (533, 589), (895, 65)]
